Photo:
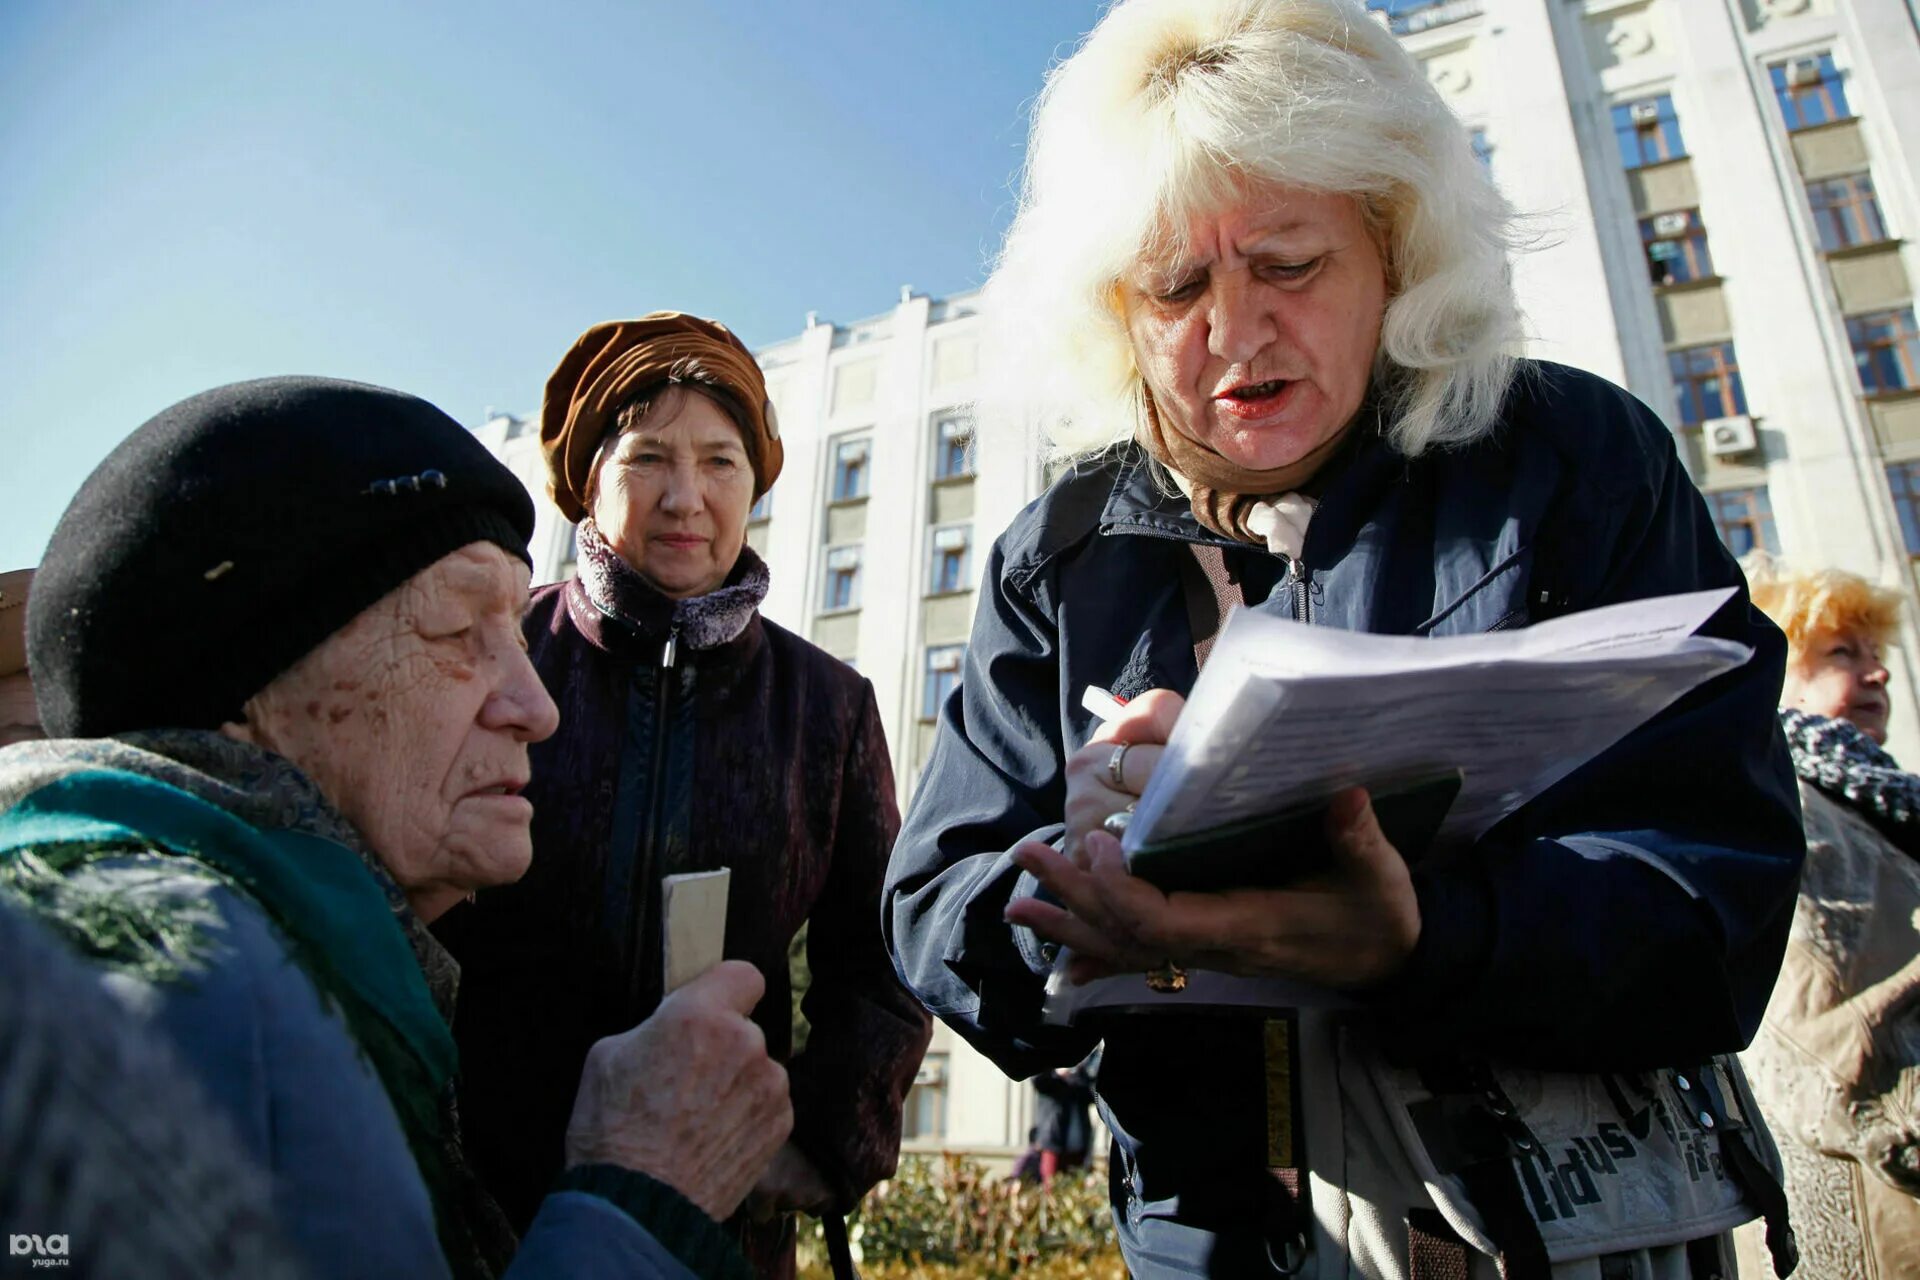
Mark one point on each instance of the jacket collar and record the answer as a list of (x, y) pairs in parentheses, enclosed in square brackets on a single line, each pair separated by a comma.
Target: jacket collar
[(655, 618)]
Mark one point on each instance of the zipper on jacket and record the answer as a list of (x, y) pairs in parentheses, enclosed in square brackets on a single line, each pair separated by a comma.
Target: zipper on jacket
[(1296, 583), (648, 855)]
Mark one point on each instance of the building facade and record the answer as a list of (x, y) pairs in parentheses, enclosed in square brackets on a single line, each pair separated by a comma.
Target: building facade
[(1716, 195)]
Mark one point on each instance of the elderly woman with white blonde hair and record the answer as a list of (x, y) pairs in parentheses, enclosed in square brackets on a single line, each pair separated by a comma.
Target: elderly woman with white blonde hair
[(1257, 292)]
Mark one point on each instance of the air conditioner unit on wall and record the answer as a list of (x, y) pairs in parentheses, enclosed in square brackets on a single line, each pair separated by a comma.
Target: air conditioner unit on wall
[(1671, 224), (1645, 115), (1803, 73), (1729, 437)]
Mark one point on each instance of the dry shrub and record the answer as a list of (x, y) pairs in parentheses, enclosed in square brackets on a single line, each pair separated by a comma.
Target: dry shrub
[(945, 1218)]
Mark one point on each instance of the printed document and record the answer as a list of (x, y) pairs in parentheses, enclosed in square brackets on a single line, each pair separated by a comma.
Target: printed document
[(1286, 713)]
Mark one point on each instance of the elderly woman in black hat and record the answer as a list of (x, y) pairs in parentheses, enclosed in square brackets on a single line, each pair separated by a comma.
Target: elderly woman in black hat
[(694, 735), (275, 758)]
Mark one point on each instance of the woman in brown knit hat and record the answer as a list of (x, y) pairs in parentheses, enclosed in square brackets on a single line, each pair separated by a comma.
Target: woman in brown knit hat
[(694, 735)]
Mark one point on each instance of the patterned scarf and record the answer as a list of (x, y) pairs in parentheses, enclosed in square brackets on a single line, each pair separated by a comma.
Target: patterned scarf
[(1836, 757), (618, 590), (1239, 502)]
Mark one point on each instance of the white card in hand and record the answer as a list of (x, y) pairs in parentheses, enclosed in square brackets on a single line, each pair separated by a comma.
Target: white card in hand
[(693, 924)]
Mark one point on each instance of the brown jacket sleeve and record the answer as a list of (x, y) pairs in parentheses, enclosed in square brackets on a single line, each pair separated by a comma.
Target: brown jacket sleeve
[(867, 1033)]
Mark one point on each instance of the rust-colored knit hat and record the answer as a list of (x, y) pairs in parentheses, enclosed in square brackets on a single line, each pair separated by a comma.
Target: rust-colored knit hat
[(616, 361)]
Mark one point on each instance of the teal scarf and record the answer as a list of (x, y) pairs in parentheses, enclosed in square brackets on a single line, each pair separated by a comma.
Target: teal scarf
[(334, 914)]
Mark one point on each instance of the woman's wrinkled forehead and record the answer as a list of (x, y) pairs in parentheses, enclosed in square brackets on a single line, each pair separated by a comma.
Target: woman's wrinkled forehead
[(652, 420), (480, 575), (1266, 212)]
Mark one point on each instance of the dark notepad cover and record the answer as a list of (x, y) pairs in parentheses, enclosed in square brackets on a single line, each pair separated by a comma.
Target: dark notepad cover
[(1291, 844)]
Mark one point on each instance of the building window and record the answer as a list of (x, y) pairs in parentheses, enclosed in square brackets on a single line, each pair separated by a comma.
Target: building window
[(1886, 350), (951, 568), (850, 468), (943, 677), (842, 589), (1810, 91), (1676, 246), (1904, 478), (1846, 212), (1648, 131), (1410, 17), (952, 446), (1744, 518), (926, 1114), (1706, 383), (762, 508), (1483, 151)]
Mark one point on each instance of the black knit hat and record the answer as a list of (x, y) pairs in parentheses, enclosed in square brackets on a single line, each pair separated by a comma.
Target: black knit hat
[(230, 535)]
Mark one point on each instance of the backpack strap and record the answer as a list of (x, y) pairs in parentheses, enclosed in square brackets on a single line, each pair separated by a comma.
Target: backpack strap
[(1211, 593), (1703, 1086), (1486, 1135)]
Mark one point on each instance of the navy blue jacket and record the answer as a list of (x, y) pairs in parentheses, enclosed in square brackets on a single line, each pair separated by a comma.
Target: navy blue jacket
[(1659, 947)]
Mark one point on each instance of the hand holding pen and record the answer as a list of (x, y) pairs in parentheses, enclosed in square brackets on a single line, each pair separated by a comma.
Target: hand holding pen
[(1352, 926)]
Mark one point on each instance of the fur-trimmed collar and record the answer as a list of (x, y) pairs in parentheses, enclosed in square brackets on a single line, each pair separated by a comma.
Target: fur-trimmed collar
[(699, 622)]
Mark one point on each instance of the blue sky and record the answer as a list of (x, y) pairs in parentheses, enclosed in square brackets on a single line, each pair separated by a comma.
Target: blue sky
[(440, 196)]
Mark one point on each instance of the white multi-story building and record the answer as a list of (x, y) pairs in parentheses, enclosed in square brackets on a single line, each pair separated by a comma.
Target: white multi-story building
[(1717, 191)]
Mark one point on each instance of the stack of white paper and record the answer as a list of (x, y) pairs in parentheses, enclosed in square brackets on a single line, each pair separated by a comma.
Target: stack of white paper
[(1286, 713)]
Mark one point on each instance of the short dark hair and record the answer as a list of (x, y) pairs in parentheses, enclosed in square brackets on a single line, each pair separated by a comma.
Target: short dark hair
[(692, 374)]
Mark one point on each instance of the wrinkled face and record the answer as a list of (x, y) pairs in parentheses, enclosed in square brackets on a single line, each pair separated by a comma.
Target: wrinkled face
[(19, 717), (1841, 677), (414, 720), (1258, 338), (671, 496)]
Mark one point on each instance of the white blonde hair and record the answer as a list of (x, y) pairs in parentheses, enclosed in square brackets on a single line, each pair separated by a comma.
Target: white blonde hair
[(1174, 108)]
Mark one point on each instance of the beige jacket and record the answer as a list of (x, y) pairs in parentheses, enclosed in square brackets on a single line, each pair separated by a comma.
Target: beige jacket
[(1837, 1062)]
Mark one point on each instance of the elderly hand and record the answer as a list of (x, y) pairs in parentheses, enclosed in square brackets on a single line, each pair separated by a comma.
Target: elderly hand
[(1351, 926), (689, 1096)]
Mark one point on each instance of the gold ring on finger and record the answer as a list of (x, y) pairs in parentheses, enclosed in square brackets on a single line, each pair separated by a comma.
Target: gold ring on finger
[(1169, 977)]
